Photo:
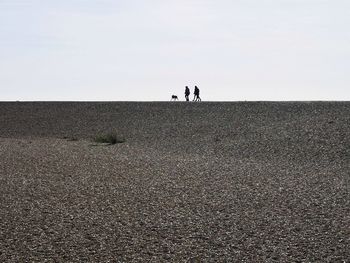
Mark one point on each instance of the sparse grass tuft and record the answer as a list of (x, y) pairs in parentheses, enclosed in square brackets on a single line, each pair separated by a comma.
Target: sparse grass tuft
[(110, 138), (70, 139)]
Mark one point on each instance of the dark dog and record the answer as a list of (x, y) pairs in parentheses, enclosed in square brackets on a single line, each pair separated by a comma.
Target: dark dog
[(174, 97)]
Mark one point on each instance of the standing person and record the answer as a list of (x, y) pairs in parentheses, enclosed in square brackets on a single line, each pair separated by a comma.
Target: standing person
[(196, 94), (187, 93)]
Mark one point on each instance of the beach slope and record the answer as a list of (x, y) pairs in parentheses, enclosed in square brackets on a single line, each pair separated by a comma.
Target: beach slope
[(193, 182)]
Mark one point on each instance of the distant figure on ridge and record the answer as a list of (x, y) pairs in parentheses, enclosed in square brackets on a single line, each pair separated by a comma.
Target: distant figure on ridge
[(174, 97), (196, 94), (187, 93)]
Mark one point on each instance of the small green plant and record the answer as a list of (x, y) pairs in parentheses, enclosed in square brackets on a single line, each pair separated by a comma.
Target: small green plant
[(109, 138), (70, 139)]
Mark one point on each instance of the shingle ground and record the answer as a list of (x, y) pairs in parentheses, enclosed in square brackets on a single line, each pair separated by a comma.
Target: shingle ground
[(194, 182)]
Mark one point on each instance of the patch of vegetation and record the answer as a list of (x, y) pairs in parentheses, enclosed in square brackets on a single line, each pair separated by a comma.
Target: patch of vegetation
[(109, 138), (70, 139)]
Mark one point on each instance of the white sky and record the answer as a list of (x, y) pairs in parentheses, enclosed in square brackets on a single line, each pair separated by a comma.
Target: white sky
[(150, 49)]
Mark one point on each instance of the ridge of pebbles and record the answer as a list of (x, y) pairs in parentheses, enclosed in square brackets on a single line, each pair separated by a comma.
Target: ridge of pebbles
[(193, 182)]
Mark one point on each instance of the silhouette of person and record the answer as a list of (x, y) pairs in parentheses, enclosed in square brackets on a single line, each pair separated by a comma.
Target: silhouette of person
[(187, 93), (196, 94)]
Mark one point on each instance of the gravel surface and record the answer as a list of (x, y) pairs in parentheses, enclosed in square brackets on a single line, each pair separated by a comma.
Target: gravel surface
[(193, 182)]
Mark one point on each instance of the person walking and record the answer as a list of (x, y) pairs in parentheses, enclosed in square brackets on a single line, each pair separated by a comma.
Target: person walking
[(196, 94), (187, 93)]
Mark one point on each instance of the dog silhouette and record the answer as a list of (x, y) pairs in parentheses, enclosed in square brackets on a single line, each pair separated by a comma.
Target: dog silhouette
[(174, 97)]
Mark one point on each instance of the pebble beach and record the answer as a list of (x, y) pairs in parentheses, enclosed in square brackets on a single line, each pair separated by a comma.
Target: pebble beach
[(192, 182)]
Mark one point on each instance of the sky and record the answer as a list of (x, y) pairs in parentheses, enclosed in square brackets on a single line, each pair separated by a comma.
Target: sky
[(147, 50)]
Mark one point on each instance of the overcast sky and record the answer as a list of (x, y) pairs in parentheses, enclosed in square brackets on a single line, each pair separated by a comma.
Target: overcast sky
[(151, 49)]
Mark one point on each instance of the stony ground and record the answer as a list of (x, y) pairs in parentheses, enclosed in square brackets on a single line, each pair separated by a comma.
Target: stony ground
[(194, 182)]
